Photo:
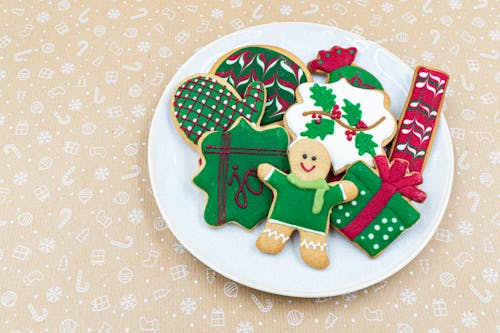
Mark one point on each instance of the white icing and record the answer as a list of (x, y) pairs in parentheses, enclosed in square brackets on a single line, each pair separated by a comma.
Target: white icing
[(344, 152)]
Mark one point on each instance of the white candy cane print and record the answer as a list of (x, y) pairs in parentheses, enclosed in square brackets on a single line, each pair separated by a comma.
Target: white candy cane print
[(474, 196), (482, 298), (38, 317), (262, 308), (79, 286)]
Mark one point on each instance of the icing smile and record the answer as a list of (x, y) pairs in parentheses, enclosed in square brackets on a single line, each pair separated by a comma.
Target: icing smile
[(307, 169)]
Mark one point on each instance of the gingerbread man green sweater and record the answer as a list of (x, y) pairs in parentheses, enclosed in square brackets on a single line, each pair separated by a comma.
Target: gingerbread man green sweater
[(293, 205)]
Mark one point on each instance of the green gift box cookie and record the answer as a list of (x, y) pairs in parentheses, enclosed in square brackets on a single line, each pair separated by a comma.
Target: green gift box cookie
[(381, 211)]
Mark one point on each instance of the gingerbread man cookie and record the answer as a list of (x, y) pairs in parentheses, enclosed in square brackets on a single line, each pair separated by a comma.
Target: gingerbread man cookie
[(303, 201), (352, 123)]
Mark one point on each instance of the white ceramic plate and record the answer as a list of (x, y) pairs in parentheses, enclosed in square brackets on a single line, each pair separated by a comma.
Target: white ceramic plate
[(231, 250)]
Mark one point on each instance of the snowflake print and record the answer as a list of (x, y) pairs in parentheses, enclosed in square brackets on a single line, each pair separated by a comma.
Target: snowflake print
[(2, 119), (143, 46), (178, 248), (75, 104), (101, 173), (494, 35), (286, 10), (455, 4), (387, 7), (54, 294), (42, 17), (128, 302), (47, 245), (20, 178), (490, 275), (494, 157), (67, 68), (138, 110), (217, 13), (188, 306), (427, 56), (44, 137), (469, 320), (136, 216), (478, 22), (244, 327), (113, 13), (408, 296), (3, 74), (465, 228)]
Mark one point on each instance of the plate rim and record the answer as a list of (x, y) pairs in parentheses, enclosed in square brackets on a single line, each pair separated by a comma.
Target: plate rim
[(293, 293)]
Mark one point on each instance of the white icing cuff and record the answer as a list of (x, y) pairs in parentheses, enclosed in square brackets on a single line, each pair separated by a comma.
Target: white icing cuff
[(343, 193), (269, 174)]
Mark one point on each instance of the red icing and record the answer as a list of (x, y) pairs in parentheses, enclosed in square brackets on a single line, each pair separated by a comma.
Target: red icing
[(336, 114), (332, 59), (240, 198), (394, 180), (417, 125), (307, 169), (361, 124)]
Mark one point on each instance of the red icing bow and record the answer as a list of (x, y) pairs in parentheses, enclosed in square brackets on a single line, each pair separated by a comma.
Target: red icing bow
[(394, 180), (329, 60)]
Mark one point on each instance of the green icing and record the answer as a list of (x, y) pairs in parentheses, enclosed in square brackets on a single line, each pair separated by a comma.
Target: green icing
[(202, 104), (322, 129), (229, 174), (323, 97), (357, 76), (352, 112), (294, 205), (280, 74), (365, 144), (397, 216)]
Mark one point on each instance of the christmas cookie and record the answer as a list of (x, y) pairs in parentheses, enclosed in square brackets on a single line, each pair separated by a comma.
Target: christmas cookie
[(337, 63), (381, 211), (279, 70), (205, 103), (420, 117), (352, 123), (228, 172), (302, 201)]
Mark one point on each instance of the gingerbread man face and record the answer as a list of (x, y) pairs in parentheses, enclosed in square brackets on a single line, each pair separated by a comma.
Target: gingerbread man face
[(309, 159)]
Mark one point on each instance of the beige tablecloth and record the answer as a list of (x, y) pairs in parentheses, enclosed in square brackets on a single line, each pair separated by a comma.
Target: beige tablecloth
[(83, 247)]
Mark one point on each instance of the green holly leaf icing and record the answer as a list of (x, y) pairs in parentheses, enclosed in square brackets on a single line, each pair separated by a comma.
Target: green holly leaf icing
[(229, 172), (352, 112), (321, 130), (365, 144), (323, 97)]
